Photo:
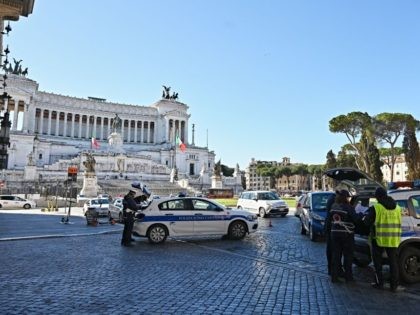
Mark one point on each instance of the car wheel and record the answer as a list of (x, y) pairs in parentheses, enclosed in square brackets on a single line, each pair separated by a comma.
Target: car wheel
[(262, 213), (410, 265), (237, 230), (157, 234), (120, 218), (26, 206), (312, 235), (360, 262), (302, 229)]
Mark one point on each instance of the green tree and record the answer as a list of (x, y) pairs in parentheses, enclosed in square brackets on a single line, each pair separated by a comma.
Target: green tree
[(330, 163), (331, 160), (410, 148), (316, 170), (286, 171), (302, 171), (388, 128), (345, 157), (353, 125)]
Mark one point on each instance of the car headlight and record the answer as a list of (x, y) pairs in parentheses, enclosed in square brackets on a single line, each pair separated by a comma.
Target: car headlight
[(317, 217), (252, 217)]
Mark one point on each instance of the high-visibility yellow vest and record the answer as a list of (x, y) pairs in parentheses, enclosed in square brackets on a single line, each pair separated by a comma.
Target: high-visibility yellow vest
[(387, 226)]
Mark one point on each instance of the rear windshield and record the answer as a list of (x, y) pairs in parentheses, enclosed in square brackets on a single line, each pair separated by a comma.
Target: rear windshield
[(319, 201)]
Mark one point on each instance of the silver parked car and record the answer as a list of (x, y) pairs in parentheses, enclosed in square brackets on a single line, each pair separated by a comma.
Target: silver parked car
[(115, 210)]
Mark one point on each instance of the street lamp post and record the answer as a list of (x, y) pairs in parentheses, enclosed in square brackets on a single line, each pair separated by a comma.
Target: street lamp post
[(4, 139)]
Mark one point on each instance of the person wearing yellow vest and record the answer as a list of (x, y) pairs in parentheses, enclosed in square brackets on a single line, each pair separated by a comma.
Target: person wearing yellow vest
[(384, 219)]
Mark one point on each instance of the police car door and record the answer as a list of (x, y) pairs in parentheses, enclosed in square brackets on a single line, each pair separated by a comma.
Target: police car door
[(178, 216), (209, 218)]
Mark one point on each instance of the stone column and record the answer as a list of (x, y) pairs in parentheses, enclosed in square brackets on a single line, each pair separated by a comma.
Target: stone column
[(122, 129), (25, 126), (41, 123), (154, 133), (65, 125), (49, 122), (129, 131), (109, 126), (135, 131), (87, 127), (94, 128), (73, 119), (80, 125), (102, 127), (15, 115), (141, 131), (57, 122), (149, 133)]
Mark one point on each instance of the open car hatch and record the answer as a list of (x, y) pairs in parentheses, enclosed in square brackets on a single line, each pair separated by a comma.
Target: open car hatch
[(356, 181)]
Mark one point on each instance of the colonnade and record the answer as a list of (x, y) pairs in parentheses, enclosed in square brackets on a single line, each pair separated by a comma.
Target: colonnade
[(84, 126)]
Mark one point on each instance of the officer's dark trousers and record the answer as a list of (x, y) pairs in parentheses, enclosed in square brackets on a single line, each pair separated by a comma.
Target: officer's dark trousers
[(392, 254), (128, 228), (342, 244)]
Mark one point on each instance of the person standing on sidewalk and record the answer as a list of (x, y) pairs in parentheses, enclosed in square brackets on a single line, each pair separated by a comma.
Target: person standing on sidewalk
[(129, 210), (384, 220), (342, 219)]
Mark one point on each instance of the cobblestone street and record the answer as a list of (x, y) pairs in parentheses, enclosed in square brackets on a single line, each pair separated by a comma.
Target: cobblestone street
[(274, 271)]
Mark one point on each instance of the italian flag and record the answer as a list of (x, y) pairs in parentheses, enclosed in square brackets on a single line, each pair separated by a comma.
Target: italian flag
[(94, 143), (179, 143)]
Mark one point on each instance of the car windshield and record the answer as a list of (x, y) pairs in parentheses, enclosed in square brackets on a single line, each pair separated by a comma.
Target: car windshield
[(319, 201), (100, 201), (268, 196)]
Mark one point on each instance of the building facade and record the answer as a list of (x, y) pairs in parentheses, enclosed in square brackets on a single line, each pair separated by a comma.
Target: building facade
[(49, 128), (400, 169)]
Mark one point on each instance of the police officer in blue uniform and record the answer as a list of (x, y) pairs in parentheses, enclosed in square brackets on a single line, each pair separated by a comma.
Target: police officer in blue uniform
[(129, 210), (342, 219)]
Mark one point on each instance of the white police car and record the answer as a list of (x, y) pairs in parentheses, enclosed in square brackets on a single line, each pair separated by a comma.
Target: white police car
[(192, 216)]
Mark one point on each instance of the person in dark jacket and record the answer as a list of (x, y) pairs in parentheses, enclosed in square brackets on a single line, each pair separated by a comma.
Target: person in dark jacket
[(330, 202), (342, 219), (129, 210), (384, 220)]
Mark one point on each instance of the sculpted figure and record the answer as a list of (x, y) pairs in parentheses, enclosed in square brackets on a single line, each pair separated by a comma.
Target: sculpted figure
[(90, 163), (116, 123)]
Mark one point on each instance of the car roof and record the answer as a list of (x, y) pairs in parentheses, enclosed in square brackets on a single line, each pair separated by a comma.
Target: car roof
[(404, 193)]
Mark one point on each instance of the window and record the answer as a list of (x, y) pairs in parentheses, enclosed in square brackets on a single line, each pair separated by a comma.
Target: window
[(415, 200), (203, 205), (178, 204), (404, 207), (7, 198)]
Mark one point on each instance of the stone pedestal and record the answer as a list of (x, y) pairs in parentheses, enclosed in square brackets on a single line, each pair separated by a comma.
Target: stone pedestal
[(30, 173), (90, 185), (216, 182), (115, 143)]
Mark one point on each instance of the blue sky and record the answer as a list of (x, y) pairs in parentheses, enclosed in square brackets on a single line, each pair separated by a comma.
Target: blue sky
[(262, 77)]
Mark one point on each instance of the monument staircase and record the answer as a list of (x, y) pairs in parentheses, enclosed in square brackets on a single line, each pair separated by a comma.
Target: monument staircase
[(117, 187)]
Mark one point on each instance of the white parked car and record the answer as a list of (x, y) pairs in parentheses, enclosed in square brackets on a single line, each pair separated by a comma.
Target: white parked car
[(192, 216), (101, 206), (15, 202), (115, 210), (262, 202)]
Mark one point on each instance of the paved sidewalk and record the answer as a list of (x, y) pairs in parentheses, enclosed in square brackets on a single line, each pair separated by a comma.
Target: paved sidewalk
[(34, 223)]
